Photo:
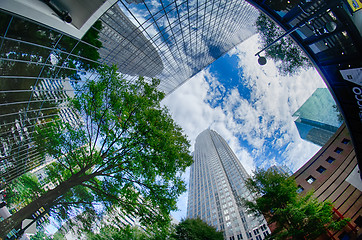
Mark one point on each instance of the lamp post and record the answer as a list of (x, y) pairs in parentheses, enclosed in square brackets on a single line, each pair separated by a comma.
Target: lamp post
[(262, 60), (328, 28)]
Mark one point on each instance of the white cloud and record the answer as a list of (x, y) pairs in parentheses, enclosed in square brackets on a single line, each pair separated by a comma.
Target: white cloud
[(252, 126), (275, 98), (189, 109)]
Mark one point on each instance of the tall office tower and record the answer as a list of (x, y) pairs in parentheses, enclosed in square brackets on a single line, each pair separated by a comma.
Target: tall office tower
[(317, 119), (134, 54), (282, 169), (217, 184), (173, 40)]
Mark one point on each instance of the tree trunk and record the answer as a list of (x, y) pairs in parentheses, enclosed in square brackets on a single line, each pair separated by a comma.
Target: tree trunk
[(47, 200)]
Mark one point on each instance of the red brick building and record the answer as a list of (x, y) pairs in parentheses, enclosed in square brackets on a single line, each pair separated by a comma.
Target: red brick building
[(334, 175)]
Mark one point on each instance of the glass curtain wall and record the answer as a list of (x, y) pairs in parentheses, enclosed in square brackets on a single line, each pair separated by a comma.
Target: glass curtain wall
[(217, 186)]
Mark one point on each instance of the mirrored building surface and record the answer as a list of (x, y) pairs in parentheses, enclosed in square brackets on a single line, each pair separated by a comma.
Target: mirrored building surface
[(187, 36), (125, 46), (317, 119), (217, 184), (169, 40)]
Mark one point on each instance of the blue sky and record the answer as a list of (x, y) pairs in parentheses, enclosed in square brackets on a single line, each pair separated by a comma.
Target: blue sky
[(251, 106)]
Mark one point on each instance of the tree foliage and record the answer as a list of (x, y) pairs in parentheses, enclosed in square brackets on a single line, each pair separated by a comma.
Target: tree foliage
[(285, 52), (127, 152), (23, 190), (40, 235), (299, 217), (196, 229), (114, 233), (41, 55)]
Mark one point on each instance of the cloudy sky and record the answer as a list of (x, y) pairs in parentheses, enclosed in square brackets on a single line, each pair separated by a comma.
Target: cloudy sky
[(251, 106)]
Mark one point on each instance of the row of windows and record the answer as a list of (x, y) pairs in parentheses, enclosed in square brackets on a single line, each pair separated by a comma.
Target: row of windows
[(322, 169)]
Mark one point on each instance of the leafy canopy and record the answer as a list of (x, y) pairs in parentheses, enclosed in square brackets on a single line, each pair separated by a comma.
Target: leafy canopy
[(196, 229), (127, 152), (290, 57), (114, 233), (299, 217)]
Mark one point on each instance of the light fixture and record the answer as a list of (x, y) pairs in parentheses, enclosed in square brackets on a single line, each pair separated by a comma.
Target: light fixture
[(63, 14), (262, 60), (331, 26)]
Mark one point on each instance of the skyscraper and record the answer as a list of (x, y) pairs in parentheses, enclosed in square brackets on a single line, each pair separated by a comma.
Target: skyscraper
[(217, 184), (173, 40), (317, 119), (124, 45)]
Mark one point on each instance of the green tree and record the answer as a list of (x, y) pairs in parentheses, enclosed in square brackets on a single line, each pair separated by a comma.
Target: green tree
[(114, 233), (40, 235), (196, 229), (39, 54), (23, 189), (127, 148), (285, 52), (299, 217)]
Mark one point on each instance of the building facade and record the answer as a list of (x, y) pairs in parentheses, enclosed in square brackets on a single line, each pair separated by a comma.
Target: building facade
[(333, 174), (134, 54), (317, 119), (216, 187), (172, 40)]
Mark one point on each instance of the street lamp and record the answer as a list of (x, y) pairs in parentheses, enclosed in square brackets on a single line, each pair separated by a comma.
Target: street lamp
[(328, 28), (262, 60)]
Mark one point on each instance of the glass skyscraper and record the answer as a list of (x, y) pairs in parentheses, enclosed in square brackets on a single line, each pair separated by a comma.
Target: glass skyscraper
[(317, 119), (216, 188), (168, 40), (173, 40)]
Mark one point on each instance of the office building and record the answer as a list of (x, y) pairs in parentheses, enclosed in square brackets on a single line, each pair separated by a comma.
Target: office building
[(17, 151), (187, 36), (216, 187), (334, 176), (169, 40), (125, 46), (318, 118), (282, 169)]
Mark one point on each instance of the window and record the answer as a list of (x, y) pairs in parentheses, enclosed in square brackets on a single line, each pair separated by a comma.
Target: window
[(330, 159), (262, 227), (310, 179), (321, 169), (344, 236), (239, 236), (338, 150), (358, 221), (345, 141), (258, 237), (299, 190)]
